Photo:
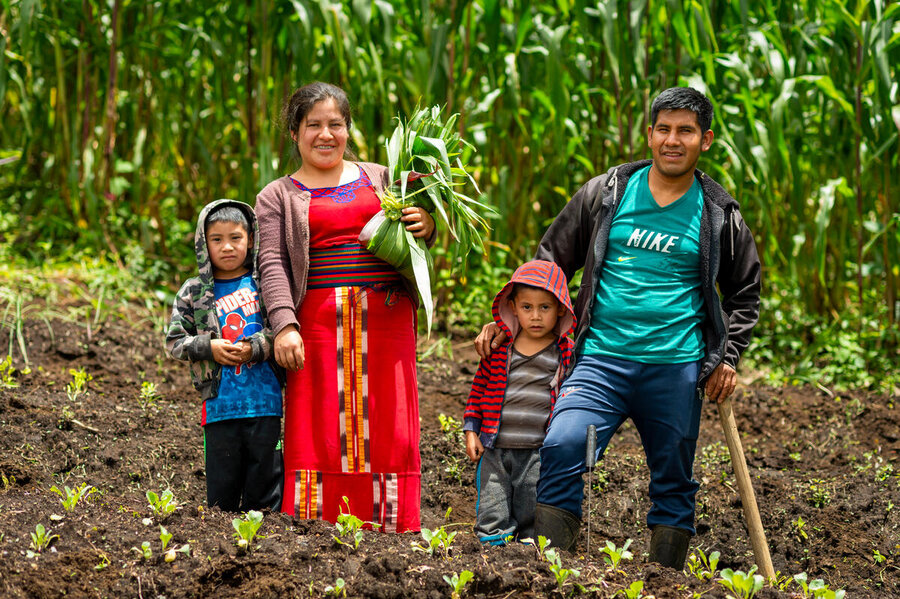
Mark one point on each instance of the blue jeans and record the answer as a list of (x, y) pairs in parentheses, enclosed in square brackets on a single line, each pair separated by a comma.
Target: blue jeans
[(663, 402)]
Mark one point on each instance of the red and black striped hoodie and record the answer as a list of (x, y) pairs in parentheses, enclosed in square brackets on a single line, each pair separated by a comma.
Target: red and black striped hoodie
[(482, 413)]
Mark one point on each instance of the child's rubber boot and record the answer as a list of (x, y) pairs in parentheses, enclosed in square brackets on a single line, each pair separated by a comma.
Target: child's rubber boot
[(556, 524), (669, 546)]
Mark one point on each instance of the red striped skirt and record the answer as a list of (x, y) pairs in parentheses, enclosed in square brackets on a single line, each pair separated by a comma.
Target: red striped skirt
[(351, 418)]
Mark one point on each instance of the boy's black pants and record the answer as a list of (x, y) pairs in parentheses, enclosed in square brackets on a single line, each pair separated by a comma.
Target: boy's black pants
[(244, 471)]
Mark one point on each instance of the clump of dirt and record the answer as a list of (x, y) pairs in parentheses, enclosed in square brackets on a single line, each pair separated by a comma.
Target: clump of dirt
[(822, 466)]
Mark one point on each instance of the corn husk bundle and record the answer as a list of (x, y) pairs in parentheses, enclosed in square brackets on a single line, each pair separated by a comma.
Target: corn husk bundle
[(425, 169)]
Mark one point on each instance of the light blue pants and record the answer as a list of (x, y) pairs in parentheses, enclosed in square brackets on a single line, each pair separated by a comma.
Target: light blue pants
[(663, 402)]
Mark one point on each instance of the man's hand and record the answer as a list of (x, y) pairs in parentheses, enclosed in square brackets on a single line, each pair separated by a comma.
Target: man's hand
[(289, 352), (474, 448), (489, 339), (721, 382), (226, 353)]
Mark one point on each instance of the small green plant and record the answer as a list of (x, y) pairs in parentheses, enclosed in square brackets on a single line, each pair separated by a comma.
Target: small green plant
[(743, 585), (458, 582), (701, 566), (78, 386), (104, 562), (339, 589), (144, 552), (878, 557), (246, 528), (163, 504), (149, 396), (449, 424), (799, 526), (71, 497), (817, 494), (41, 539), (454, 468), (633, 591), (561, 574), (543, 543), (613, 555), (164, 537), (817, 589), (350, 526), (7, 372), (438, 538)]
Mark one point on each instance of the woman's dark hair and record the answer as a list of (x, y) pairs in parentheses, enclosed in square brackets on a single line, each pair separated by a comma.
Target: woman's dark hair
[(304, 98)]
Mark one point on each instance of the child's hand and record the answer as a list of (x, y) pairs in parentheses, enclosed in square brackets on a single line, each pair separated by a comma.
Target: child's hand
[(474, 448), (226, 353), (246, 351)]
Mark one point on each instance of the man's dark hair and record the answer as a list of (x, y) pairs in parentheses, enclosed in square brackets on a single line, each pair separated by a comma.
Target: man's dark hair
[(227, 214), (683, 98)]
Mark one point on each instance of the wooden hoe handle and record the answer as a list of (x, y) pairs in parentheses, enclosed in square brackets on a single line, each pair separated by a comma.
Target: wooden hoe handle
[(745, 489)]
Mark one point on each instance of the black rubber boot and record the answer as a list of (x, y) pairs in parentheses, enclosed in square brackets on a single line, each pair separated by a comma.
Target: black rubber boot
[(559, 525), (669, 546)]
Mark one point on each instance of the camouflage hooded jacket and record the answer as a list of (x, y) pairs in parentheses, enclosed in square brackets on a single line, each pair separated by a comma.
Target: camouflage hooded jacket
[(194, 322)]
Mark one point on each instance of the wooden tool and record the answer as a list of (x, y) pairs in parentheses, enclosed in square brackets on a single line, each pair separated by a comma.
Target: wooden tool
[(745, 490)]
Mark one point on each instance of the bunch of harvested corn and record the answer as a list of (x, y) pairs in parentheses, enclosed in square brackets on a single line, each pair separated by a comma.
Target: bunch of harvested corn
[(425, 169)]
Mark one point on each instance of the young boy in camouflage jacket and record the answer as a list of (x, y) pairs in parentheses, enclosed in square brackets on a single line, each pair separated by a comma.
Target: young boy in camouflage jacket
[(218, 325)]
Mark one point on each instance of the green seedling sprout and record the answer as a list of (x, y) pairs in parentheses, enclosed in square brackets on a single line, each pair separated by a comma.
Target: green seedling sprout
[(613, 555), (71, 497), (246, 528), (561, 574), (817, 589), (163, 504), (800, 529), (543, 543), (145, 552), (633, 591), (339, 589), (104, 562), (164, 537), (41, 539), (78, 386), (7, 380), (149, 395), (350, 526), (438, 538), (744, 586), (703, 567), (458, 582)]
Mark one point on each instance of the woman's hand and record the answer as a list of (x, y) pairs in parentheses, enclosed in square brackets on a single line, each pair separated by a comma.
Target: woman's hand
[(418, 222), (289, 352)]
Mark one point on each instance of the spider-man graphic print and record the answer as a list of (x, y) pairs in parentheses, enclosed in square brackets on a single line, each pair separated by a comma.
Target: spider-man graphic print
[(247, 390)]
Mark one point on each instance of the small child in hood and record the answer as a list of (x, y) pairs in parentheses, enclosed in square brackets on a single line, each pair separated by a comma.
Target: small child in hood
[(512, 397), (219, 326)]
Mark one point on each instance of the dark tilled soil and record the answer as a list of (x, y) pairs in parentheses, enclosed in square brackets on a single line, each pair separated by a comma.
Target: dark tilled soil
[(824, 469)]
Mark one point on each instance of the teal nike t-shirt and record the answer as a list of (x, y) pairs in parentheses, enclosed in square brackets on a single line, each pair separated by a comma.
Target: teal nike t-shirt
[(649, 305)]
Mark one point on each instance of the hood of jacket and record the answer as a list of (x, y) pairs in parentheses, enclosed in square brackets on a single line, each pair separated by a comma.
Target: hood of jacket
[(204, 264), (543, 275)]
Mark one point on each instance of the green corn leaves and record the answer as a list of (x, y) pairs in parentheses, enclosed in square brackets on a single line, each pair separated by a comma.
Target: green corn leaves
[(426, 171)]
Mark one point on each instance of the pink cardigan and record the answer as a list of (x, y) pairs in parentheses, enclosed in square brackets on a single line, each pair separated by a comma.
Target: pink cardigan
[(283, 214)]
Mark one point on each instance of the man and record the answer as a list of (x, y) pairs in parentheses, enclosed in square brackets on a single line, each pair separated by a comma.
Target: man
[(654, 237)]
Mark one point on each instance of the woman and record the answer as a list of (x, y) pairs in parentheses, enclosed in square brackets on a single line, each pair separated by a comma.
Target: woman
[(345, 328)]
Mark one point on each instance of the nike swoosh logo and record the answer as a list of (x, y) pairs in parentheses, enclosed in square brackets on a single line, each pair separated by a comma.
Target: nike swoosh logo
[(626, 258)]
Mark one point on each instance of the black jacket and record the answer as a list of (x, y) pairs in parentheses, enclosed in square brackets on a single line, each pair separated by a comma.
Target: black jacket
[(578, 238)]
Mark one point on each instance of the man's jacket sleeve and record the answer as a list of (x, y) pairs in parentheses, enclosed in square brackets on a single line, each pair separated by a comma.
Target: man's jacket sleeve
[(739, 284)]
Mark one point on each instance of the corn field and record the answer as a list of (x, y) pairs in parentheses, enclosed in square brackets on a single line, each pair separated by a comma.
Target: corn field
[(121, 118)]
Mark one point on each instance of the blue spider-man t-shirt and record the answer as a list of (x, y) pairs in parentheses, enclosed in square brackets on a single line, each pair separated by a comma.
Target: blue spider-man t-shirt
[(249, 390)]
